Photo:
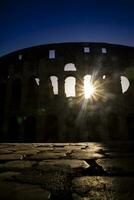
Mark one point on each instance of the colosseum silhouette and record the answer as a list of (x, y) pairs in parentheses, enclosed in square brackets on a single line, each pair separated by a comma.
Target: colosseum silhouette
[(42, 93)]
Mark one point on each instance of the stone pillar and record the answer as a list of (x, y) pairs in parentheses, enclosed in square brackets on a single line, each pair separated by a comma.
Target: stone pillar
[(61, 86)]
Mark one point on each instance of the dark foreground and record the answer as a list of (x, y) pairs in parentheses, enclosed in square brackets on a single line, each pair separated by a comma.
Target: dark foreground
[(69, 171)]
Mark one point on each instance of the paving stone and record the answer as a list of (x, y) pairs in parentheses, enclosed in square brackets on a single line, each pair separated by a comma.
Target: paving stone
[(74, 147), (63, 165), (76, 196), (28, 152), (107, 195), (83, 185), (85, 155), (6, 145), (58, 183), (43, 144), (6, 157), (29, 171), (44, 148), (17, 165), (48, 155), (5, 151), (16, 191), (118, 166), (8, 175), (16, 147)]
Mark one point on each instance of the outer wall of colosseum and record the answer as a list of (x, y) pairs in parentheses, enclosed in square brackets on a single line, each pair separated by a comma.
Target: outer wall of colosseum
[(42, 97)]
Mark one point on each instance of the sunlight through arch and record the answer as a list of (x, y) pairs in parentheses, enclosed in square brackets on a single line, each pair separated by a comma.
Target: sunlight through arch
[(88, 87), (125, 84), (54, 81), (70, 86)]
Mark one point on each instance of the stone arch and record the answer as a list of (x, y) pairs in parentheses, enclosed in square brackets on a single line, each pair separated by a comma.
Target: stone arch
[(70, 67), (70, 83), (88, 87)]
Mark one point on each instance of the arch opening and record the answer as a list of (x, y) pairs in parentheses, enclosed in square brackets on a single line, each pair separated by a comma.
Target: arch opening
[(70, 86), (88, 87), (70, 67), (125, 84), (54, 82)]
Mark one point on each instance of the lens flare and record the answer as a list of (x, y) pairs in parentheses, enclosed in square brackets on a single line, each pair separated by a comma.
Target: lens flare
[(89, 88), (92, 89)]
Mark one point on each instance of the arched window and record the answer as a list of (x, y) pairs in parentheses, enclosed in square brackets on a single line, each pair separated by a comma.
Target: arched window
[(70, 86), (70, 67), (124, 84), (54, 81)]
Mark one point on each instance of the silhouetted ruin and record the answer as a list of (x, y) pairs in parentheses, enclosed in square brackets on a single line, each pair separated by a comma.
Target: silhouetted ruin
[(42, 93)]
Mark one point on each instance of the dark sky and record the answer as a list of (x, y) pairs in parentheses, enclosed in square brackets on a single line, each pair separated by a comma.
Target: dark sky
[(25, 23)]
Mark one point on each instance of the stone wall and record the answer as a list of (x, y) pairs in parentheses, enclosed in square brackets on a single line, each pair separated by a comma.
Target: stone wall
[(30, 111)]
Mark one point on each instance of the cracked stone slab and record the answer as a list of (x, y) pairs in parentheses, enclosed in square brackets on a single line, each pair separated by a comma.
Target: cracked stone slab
[(48, 155), (101, 188), (63, 165), (17, 165), (117, 165), (16, 191)]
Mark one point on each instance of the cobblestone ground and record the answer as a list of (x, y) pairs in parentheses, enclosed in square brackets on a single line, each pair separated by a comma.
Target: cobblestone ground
[(69, 171)]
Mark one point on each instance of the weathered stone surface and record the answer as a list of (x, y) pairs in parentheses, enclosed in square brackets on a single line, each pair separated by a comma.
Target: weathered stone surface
[(117, 165), (16, 191), (5, 151), (76, 196), (8, 175), (104, 195), (58, 183), (17, 165), (17, 146), (48, 155), (83, 185), (86, 155), (6, 157), (28, 152), (44, 148), (64, 165), (49, 169)]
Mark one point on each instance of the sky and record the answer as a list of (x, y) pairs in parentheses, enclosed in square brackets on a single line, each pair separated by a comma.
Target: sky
[(26, 23)]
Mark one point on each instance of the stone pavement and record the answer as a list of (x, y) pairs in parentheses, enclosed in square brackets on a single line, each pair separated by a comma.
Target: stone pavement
[(69, 171)]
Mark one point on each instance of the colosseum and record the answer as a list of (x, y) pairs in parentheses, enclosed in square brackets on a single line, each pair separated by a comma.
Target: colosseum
[(67, 92)]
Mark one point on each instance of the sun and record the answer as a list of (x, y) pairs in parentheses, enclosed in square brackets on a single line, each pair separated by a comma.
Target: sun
[(92, 89), (89, 88)]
